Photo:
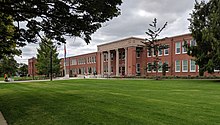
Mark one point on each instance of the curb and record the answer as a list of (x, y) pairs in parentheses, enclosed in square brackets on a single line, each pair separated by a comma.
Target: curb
[(2, 120)]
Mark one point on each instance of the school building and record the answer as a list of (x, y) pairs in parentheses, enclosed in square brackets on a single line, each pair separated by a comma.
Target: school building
[(129, 57)]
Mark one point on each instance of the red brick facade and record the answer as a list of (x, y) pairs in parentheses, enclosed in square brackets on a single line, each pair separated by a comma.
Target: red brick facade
[(32, 70), (128, 57)]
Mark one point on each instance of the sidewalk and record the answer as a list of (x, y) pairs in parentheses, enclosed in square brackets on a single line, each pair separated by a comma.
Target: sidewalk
[(2, 120)]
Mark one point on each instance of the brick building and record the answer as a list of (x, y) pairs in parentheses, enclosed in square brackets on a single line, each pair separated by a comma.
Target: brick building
[(32, 70), (129, 57)]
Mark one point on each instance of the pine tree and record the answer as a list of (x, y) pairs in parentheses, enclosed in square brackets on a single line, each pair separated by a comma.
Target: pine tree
[(205, 25), (153, 45), (43, 58)]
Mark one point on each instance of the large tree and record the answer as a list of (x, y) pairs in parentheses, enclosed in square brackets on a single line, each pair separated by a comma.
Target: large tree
[(153, 44), (22, 69), (44, 58), (58, 18), (8, 65), (8, 36), (205, 25)]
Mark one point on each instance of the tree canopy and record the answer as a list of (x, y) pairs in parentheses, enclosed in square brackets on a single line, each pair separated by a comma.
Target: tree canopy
[(8, 65), (8, 36), (59, 18), (205, 25), (44, 56)]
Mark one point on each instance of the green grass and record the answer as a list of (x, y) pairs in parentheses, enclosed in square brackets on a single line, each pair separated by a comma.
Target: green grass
[(111, 102)]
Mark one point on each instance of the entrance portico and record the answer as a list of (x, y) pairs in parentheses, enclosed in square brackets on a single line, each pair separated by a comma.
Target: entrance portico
[(119, 58)]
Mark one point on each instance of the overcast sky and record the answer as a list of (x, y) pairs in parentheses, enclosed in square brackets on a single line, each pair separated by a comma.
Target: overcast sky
[(133, 21)]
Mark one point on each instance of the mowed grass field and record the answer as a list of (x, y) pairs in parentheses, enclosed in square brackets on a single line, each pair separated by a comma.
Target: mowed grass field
[(111, 102)]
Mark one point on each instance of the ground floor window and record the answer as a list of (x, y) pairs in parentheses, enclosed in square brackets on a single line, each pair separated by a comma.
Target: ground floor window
[(192, 66), (177, 66), (185, 65), (160, 67), (138, 68), (149, 67)]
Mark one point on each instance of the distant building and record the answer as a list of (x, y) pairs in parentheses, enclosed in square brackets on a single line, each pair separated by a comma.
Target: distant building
[(32, 70)]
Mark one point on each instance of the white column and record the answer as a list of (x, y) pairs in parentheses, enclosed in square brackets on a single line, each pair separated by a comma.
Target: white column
[(117, 62), (102, 66), (126, 61), (109, 63)]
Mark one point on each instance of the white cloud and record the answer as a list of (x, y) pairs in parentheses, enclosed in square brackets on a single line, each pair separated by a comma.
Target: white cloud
[(133, 21)]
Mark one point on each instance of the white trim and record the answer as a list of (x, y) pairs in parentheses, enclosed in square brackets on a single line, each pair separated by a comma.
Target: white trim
[(183, 66), (179, 65), (191, 67)]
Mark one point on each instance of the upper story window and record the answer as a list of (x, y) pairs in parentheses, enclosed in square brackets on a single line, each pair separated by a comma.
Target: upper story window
[(138, 54), (105, 57), (193, 42), (183, 48), (148, 53), (177, 47), (112, 56), (73, 62), (160, 52), (123, 55), (166, 51)]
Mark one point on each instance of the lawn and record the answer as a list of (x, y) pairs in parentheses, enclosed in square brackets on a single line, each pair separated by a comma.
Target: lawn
[(111, 102)]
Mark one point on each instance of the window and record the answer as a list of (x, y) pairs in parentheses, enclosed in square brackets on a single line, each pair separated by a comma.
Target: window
[(167, 69), (73, 62), (138, 68), (178, 48), (105, 57), (185, 66), (112, 69), (183, 48), (112, 56), (153, 52), (138, 54), (160, 52), (177, 66), (192, 66), (193, 42), (166, 51), (148, 53), (149, 69), (160, 67), (123, 55)]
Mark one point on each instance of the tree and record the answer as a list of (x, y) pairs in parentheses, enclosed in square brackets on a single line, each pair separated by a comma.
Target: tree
[(205, 25), (8, 37), (43, 58), (59, 18), (152, 44), (8, 65), (23, 69), (165, 68)]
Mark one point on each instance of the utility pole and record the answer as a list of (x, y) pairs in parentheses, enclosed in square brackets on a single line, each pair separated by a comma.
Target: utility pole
[(51, 64)]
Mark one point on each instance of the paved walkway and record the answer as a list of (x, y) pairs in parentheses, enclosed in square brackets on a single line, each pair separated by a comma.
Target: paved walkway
[(2, 120)]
